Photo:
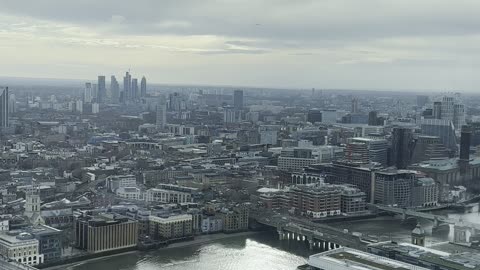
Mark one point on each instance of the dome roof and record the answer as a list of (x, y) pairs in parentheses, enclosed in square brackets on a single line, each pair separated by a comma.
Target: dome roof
[(418, 230)]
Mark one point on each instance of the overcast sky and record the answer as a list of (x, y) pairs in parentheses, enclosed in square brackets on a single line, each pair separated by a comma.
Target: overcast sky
[(364, 44)]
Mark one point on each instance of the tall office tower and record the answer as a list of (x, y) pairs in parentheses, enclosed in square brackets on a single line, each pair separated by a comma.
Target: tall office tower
[(458, 115), (373, 118), (88, 93), (448, 108), (465, 143), (437, 110), (464, 160), (422, 101), (355, 105), (402, 147), (134, 89), (161, 113), (102, 90), (127, 83), (114, 89), (12, 104), (94, 92), (143, 87), (238, 99), (4, 111)]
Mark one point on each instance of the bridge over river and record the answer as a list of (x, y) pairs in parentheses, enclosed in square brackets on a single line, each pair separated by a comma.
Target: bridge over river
[(316, 234)]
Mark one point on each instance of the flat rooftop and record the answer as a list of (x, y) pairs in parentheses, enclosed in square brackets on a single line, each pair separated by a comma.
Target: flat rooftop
[(347, 258)]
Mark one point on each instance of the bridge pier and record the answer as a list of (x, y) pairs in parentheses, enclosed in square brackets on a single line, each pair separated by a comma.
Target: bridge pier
[(280, 235), (311, 243), (435, 223)]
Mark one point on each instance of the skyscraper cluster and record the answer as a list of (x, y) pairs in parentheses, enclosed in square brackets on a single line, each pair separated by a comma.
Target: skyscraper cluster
[(131, 91), (450, 108), (4, 111)]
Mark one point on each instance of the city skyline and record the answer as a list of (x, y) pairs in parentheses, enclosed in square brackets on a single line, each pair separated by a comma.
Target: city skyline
[(323, 47)]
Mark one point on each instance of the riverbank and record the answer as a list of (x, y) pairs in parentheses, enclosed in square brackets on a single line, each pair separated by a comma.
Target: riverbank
[(199, 240)]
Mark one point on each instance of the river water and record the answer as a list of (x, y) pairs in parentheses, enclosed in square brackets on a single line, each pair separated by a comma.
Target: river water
[(263, 251)]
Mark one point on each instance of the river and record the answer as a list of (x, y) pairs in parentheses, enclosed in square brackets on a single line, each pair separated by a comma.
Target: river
[(262, 251)]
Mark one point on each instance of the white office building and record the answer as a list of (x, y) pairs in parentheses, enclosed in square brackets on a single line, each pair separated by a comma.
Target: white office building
[(114, 182), (20, 247)]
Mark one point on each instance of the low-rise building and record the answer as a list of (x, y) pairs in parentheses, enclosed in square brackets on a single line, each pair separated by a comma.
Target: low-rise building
[(170, 227), (114, 182), (170, 194), (235, 219)]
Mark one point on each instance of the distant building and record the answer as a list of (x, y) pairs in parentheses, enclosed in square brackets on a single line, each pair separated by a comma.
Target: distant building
[(4, 111), (238, 99), (143, 87), (88, 94), (421, 100), (127, 84), (114, 90), (161, 119), (134, 89), (102, 90), (329, 116), (314, 116), (105, 232)]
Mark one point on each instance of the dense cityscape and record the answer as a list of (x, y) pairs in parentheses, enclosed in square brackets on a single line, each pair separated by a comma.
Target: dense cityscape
[(102, 168), (239, 135)]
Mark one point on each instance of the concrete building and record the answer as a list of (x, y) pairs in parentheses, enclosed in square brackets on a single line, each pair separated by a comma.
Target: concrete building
[(170, 227), (105, 232), (166, 193), (114, 182), (130, 193), (367, 150), (295, 159), (21, 247)]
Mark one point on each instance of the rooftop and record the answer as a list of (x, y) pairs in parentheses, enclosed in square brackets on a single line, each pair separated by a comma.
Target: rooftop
[(346, 258)]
